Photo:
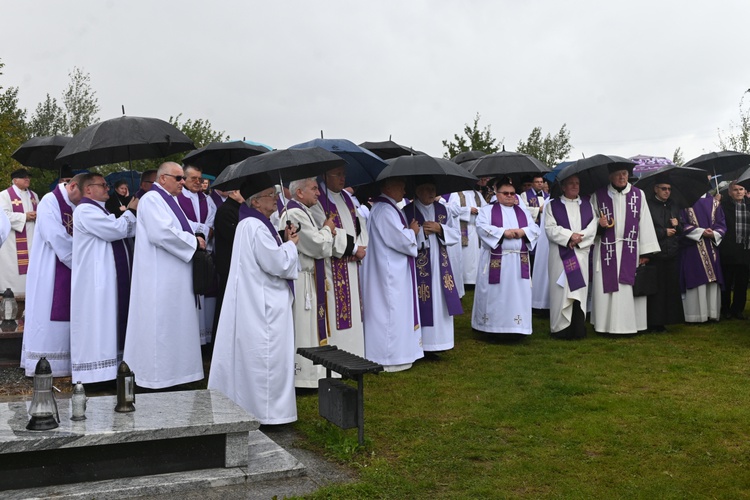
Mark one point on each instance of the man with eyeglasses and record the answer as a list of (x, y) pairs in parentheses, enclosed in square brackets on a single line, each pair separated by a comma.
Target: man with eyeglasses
[(665, 306), (507, 232), (162, 344), (148, 178), (625, 239), (100, 283), (47, 329), (253, 359), (701, 278)]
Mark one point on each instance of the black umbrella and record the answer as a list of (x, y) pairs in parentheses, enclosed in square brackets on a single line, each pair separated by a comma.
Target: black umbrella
[(720, 162), (446, 175), (388, 149), (688, 184), (466, 156), (508, 163), (124, 139), (286, 164), (41, 151), (744, 179), (593, 172), (214, 157)]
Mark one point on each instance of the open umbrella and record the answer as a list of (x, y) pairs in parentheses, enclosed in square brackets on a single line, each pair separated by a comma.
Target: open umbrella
[(362, 166), (286, 164), (41, 151), (388, 149), (121, 139), (466, 156), (446, 175), (508, 163), (593, 172), (214, 157), (744, 179), (688, 184), (645, 164), (720, 162)]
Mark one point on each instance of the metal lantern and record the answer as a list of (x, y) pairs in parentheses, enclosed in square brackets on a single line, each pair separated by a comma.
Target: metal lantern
[(43, 409), (125, 389), (9, 311)]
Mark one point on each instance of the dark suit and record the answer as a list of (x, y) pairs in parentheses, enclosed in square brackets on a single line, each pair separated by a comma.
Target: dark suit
[(735, 263), (225, 226), (665, 306)]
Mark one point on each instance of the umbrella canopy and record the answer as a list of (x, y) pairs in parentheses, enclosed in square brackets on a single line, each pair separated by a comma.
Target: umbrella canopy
[(446, 175), (467, 156), (593, 172), (551, 176), (744, 179), (214, 157), (41, 151), (287, 164), (123, 139), (388, 149), (508, 163), (688, 184), (720, 162), (362, 166), (645, 164)]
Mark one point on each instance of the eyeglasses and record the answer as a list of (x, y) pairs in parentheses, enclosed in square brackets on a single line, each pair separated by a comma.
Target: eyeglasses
[(506, 193), (102, 184), (178, 178), (148, 182), (664, 188), (269, 195)]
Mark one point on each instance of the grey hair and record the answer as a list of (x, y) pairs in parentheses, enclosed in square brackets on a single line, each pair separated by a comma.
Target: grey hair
[(299, 184)]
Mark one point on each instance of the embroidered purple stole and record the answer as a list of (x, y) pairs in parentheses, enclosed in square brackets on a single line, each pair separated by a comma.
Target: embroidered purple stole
[(462, 223), (608, 249), (340, 267), (187, 206), (496, 254), (218, 201), (704, 214), (383, 199), (61, 295), (22, 243), (320, 283), (424, 270), (246, 211), (122, 269), (568, 255), (184, 224)]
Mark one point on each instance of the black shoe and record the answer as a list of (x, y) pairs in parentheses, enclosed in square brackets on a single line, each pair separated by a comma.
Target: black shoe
[(739, 316)]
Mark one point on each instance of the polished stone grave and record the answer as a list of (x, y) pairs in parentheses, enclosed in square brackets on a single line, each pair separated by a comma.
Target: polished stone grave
[(168, 435)]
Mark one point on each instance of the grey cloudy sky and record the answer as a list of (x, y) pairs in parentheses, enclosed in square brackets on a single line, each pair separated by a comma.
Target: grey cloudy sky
[(635, 77)]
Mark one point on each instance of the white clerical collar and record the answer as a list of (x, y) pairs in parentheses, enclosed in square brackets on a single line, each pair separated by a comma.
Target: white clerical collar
[(420, 204), (159, 186), (19, 192), (577, 199)]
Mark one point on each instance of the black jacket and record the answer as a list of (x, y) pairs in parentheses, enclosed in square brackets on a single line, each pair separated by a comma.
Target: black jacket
[(732, 252), (661, 213)]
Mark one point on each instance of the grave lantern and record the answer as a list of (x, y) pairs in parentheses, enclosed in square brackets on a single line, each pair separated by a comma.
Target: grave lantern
[(43, 409), (9, 311), (125, 389)]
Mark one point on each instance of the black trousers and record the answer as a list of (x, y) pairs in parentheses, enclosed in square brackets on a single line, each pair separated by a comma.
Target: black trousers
[(735, 287)]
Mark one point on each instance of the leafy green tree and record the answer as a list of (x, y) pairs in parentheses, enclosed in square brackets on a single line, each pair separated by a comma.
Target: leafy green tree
[(738, 138), (678, 158), (473, 139), (550, 150), (48, 119), (13, 130), (80, 101)]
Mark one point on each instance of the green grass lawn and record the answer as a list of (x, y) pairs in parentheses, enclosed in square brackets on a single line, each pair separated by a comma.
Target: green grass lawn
[(649, 416)]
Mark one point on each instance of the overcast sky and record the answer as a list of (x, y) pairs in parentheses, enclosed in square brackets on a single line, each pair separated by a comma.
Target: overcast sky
[(628, 77)]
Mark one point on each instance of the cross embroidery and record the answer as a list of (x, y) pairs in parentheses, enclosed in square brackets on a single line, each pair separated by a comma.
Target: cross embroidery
[(297, 368), (608, 257), (17, 202), (631, 238), (605, 211), (517, 319), (634, 205), (485, 319)]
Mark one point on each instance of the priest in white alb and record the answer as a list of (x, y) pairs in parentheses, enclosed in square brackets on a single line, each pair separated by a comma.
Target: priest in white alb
[(19, 204), (4, 227), (162, 344), (570, 225), (502, 297), (393, 337), (469, 203), (101, 283), (47, 328), (314, 246), (253, 360)]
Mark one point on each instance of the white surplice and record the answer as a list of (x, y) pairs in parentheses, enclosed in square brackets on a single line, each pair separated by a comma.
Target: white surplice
[(470, 252), (438, 337), (4, 227), (349, 339), (94, 352), (561, 297), (162, 345), (313, 244), (9, 277), (540, 278), (43, 337), (702, 302), (253, 360), (503, 307), (391, 338), (620, 312)]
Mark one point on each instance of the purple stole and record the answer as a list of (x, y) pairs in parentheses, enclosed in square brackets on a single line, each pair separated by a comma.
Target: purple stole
[(122, 269), (22, 244), (246, 211), (187, 206), (608, 252), (320, 283), (383, 199), (175, 208), (340, 267), (138, 194), (704, 213), (424, 270), (568, 255), (531, 198), (61, 294), (217, 199), (496, 258), (462, 223)]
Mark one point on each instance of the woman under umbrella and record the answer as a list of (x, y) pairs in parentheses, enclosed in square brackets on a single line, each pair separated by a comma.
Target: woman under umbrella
[(118, 202)]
